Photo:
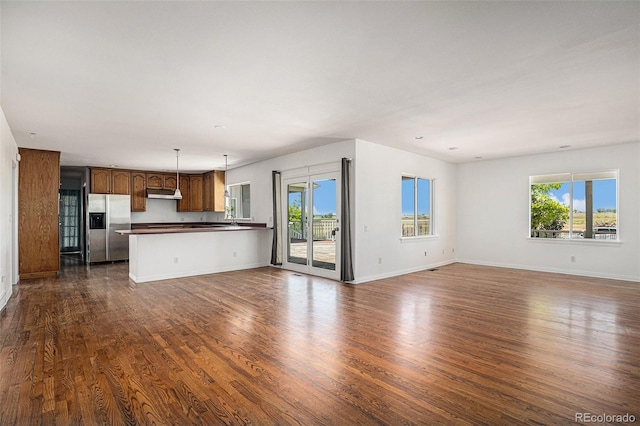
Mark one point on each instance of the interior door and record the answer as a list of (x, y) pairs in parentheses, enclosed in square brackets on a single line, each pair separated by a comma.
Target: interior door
[(312, 233), (69, 220)]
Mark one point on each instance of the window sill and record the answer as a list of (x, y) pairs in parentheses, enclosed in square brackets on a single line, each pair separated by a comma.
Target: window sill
[(417, 239), (576, 241)]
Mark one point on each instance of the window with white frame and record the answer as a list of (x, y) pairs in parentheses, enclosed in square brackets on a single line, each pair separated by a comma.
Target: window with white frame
[(574, 206), (417, 207), (239, 201)]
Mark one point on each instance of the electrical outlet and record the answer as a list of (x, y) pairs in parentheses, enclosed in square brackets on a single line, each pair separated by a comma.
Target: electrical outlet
[(379, 260), (366, 228), (573, 258), (425, 253), (175, 260), (453, 250), (182, 219), (235, 254)]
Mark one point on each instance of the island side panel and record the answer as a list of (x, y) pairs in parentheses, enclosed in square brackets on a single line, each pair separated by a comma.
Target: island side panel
[(133, 257), (163, 256)]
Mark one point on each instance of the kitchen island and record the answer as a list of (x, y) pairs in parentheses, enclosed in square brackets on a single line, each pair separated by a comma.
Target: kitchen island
[(164, 251)]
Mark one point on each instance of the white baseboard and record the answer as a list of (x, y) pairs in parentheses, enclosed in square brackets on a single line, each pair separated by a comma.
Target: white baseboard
[(161, 277), (397, 273), (4, 298), (590, 274)]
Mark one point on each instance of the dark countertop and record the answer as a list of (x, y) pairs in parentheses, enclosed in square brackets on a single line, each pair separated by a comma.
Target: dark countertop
[(188, 227), (154, 225)]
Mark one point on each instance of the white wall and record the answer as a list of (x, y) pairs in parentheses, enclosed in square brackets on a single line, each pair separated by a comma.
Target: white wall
[(493, 214), (8, 210), (376, 179), (378, 171), (259, 174)]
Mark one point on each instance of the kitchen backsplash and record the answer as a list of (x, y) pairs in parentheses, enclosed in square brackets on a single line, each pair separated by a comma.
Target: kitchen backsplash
[(165, 211)]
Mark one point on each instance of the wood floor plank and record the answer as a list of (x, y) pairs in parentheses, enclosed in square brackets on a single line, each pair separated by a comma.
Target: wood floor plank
[(463, 344)]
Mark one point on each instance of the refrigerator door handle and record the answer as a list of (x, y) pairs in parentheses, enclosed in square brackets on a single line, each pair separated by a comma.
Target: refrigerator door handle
[(107, 225)]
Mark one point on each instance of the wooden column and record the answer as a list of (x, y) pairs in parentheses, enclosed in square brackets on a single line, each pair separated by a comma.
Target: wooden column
[(38, 223)]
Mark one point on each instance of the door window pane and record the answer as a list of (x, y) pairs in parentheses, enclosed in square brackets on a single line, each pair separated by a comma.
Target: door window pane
[(297, 220), (324, 224)]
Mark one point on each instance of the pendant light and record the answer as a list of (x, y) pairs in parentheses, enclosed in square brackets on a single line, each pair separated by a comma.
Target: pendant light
[(226, 169), (177, 195)]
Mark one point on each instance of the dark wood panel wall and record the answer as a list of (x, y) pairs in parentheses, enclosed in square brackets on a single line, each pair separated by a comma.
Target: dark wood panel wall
[(38, 186)]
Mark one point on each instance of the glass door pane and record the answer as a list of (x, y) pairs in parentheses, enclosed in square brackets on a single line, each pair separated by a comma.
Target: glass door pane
[(69, 220), (297, 241), (325, 224)]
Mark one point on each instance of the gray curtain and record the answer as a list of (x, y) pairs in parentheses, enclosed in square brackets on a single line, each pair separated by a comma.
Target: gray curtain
[(276, 246), (346, 261)]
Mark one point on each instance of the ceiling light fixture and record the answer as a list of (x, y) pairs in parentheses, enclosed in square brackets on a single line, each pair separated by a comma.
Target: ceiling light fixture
[(564, 146), (418, 137), (177, 195)]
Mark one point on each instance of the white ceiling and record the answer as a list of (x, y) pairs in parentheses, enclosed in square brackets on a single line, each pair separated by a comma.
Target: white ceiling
[(126, 82)]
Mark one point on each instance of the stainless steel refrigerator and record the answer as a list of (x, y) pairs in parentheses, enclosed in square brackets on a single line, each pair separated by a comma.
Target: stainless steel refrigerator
[(107, 214)]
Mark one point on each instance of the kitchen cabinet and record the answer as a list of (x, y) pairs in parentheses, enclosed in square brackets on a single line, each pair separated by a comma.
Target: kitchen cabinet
[(195, 193), (169, 181), (161, 180), (200, 192), (138, 192), (218, 191), (100, 181), (155, 180), (120, 182), (110, 181), (38, 226), (207, 182), (213, 191), (183, 205)]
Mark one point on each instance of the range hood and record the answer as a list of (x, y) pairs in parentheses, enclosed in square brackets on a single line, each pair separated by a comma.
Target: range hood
[(163, 194)]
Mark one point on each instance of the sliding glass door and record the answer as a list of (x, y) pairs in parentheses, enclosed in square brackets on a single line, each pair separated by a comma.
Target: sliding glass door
[(313, 228)]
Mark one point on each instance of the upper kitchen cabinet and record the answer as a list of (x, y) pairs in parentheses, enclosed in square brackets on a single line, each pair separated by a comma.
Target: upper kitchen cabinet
[(218, 191), (155, 180), (110, 181), (100, 181), (183, 205), (213, 191), (38, 227), (138, 192), (195, 193), (121, 182), (161, 181), (170, 181)]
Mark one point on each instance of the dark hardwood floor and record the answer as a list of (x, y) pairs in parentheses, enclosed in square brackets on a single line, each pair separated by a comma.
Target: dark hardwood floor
[(463, 344)]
